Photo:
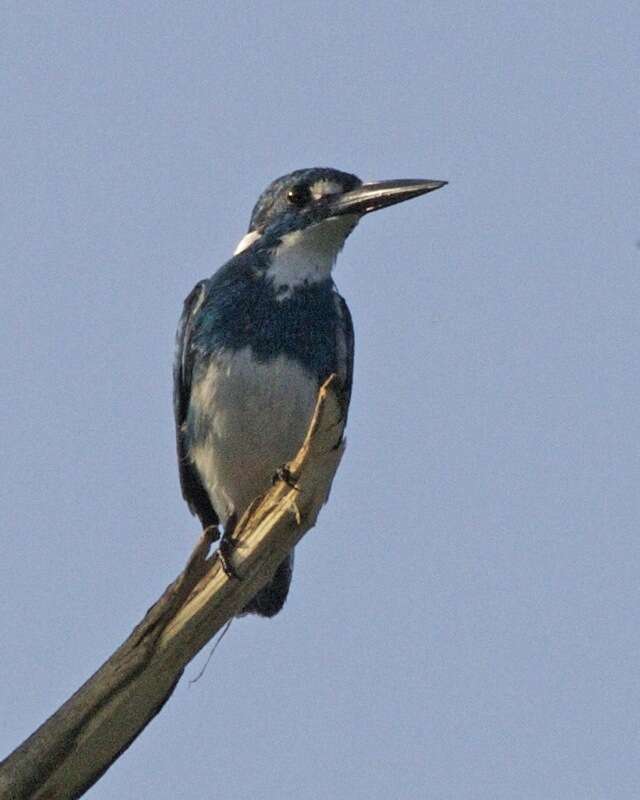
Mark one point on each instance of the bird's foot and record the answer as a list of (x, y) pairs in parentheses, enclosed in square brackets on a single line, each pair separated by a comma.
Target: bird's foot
[(284, 474), (212, 532), (226, 548)]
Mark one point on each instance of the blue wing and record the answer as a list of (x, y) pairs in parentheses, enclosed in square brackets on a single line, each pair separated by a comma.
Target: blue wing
[(192, 489), (347, 332)]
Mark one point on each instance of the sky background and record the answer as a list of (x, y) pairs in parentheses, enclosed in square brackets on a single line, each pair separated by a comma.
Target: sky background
[(463, 621)]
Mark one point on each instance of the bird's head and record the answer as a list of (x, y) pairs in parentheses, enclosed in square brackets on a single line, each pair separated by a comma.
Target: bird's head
[(305, 217)]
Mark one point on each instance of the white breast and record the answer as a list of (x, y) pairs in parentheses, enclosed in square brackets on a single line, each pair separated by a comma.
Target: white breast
[(255, 416)]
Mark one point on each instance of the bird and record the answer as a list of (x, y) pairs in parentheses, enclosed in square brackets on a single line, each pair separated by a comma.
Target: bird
[(256, 341)]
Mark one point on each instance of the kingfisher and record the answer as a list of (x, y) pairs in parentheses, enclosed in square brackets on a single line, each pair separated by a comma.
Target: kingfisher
[(257, 340)]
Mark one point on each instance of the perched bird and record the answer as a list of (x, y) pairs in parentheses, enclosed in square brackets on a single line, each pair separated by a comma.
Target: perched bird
[(257, 339)]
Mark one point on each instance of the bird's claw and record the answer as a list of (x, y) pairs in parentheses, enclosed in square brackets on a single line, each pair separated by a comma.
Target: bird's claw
[(212, 532), (224, 552), (226, 547), (285, 475)]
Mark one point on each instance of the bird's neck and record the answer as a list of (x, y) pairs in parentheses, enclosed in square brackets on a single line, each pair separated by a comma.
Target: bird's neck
[(306, 257)]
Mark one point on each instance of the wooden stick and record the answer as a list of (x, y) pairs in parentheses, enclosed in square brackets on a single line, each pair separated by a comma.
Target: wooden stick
[(80, 741)]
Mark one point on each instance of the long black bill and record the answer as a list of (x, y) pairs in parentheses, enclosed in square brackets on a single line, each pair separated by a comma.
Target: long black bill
[(372, 196)]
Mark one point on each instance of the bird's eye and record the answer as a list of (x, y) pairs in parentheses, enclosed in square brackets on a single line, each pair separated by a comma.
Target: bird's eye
[(299, 195)]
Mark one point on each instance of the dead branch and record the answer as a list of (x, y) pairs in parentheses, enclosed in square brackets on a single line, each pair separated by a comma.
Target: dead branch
[(80, 741)]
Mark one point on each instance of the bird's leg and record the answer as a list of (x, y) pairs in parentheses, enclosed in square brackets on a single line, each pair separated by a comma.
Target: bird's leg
[(225, 548), (284, 474)]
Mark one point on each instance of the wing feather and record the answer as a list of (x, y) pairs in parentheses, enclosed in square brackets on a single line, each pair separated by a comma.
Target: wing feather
[(345, 349), (192, 489)]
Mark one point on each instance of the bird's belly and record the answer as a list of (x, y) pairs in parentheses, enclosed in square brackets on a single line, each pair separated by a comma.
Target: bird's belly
[(248, 418)]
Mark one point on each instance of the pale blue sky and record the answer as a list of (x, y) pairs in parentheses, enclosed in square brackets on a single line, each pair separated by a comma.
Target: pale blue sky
[(463, 620)]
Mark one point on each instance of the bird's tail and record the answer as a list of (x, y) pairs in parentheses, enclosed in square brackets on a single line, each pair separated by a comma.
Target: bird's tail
[(270, 599)]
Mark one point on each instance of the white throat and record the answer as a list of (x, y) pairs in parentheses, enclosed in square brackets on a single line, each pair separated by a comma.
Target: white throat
[(307, 256)]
